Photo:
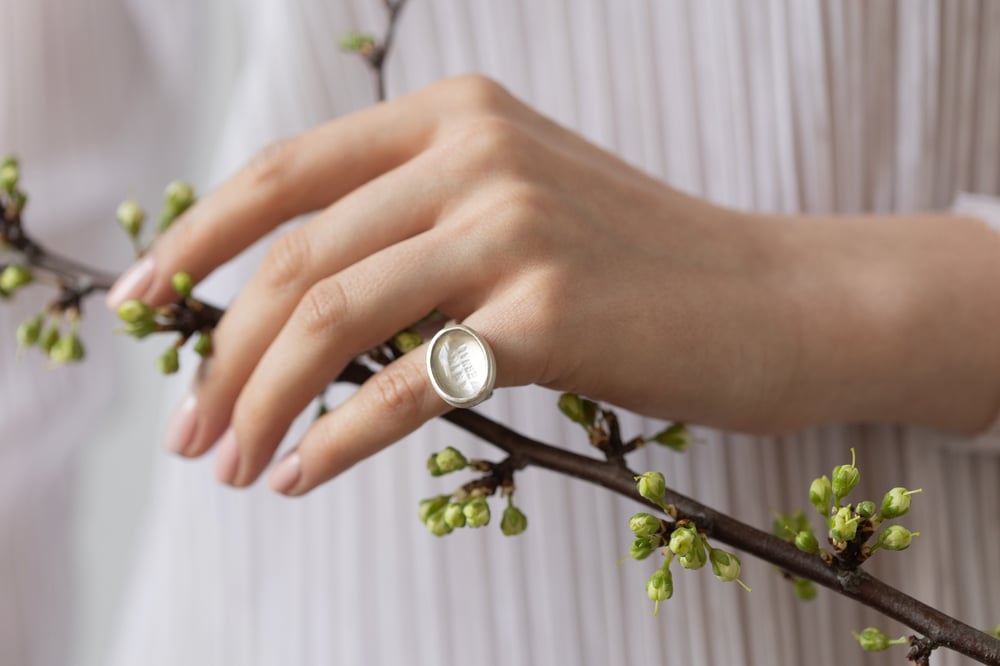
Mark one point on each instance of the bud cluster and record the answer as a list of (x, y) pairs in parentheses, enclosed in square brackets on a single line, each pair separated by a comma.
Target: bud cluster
[(855, 523), (45, 331), (681, 541), (849, 526), (141, 320), (442, 514)]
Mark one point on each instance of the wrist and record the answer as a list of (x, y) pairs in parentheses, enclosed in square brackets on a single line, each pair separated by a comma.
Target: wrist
[(896, 316)]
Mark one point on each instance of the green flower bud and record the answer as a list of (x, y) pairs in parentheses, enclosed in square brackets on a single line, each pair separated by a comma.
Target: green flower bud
[(407, 341), (896, 537), (683, 540), (660, 587), (177, 198), (577, 409), (68, 349), (845, 479), (844, 525), (806, 541), (9, 175), (821, 495), (432, 465), (14, 277), (652, 485), (805, 589), (696, 559), (437, 524), (50, 337), (131, 216), (451, 460), (169, 361), (134, 311), (725, 566), (873, 640), (203, 345), (432, 505), (30, 331), (676, 437), (897, 502), (643, 547), (477, 512), (513, 521), (865, 509), (454, 516), (356, 41), (996, 632), (141, 328), (183, 284), (644, 524)]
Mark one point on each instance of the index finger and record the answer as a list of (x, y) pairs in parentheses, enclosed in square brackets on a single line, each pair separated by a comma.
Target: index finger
[(289, 178)]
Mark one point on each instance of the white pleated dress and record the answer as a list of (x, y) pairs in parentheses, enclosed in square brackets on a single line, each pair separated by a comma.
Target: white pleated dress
[(785, 105)]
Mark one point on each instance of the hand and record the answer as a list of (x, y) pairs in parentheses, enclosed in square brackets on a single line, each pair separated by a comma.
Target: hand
[(583, 274)]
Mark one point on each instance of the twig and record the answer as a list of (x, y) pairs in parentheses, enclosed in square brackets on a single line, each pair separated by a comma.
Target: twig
[(938, 629)]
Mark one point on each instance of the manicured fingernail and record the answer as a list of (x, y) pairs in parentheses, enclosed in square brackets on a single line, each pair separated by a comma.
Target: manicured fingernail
[(227, 459), (286, 475), (180, 431), (132, 284)]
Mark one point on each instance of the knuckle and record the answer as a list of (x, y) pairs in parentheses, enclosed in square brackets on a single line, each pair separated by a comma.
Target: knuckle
[(485, 145), (396, 391), (477, 92), (270, 168), (321, 311), (521, 216), (285, 263)]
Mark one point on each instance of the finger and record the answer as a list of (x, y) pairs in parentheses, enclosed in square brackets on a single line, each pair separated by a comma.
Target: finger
[(339, 318), (390, 209), (393, 403), (287, 179), (390, 405)]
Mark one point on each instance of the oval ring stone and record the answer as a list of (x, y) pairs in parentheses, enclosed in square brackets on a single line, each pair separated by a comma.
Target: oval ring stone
[(461, 366)]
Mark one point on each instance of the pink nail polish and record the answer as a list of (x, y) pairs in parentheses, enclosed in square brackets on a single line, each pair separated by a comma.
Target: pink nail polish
[(287, 474), (132, 284), (183, 424), (227, 459)]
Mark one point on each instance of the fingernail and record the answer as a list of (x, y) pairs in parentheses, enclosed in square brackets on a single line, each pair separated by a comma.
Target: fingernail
[(286, 475), (227, 459), (132, 284), (180, 431)]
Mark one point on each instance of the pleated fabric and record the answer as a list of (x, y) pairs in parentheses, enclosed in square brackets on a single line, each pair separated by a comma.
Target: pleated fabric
[(91, 106), (785, 105)]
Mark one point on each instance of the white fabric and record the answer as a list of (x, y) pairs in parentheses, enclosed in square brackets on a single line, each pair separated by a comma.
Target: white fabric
[(93, 113), (776, 104)]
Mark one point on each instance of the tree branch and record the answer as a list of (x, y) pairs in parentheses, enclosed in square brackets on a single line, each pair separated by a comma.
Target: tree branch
[(938, 629)]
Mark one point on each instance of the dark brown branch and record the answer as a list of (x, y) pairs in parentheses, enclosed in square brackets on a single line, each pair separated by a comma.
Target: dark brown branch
[(377, 57), (939, 629)]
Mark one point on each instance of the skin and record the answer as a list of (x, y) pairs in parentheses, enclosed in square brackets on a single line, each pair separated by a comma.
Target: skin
[(584, 275)]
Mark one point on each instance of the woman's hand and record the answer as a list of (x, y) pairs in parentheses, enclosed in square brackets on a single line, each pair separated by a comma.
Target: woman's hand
[(581, 272)]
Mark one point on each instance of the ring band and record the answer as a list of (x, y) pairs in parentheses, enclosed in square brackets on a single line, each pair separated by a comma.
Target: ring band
[(461, 366)]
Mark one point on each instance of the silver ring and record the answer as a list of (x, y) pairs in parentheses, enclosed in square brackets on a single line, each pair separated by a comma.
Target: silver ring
[(461, 366)]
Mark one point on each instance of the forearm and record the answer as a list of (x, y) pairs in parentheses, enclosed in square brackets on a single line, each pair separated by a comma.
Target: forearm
[(899, 318)]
